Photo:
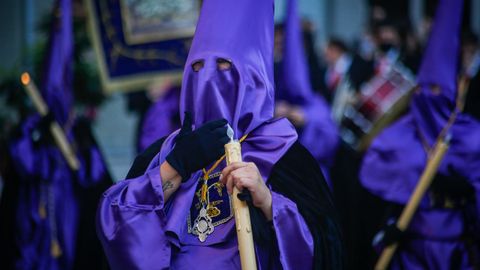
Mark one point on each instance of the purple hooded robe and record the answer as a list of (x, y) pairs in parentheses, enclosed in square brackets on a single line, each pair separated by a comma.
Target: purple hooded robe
[(396, 159), (320, 133), (49, 208), (138, 229)]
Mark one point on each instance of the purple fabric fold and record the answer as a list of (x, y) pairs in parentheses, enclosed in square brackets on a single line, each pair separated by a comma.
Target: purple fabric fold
[(131, 215), (294, 239)]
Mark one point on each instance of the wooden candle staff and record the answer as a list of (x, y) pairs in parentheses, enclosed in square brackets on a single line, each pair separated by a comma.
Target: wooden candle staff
[(243, 224), (55, 129)]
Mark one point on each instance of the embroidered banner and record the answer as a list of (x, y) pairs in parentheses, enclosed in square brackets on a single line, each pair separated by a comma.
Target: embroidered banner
[(141, 41)]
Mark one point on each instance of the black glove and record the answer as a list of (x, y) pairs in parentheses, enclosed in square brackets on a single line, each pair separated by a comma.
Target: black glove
[(390, 234), (196, 149), (453, 185), (41, 133)]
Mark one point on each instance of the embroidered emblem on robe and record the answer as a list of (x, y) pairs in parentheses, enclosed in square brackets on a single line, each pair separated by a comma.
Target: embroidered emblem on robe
[(218, 204)]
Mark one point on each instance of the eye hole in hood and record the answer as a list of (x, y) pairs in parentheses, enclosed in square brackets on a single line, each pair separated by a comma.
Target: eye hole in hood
[(224, 64), (198, 65)]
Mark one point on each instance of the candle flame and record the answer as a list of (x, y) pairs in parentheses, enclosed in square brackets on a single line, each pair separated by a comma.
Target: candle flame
[(25, 78)]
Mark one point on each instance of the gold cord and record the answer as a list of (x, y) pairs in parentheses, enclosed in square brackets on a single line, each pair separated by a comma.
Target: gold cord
[(206, 173)]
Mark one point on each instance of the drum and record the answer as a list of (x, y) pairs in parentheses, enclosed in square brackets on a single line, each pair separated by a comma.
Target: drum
[(381, 101)]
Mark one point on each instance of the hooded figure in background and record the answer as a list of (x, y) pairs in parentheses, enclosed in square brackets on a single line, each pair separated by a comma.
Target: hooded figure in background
[(151, 219), (444, 233), (296, 100), (52, 206), (162, 116)]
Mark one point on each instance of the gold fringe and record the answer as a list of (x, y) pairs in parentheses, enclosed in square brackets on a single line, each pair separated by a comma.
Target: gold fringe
[(55, 249), (42, 211)]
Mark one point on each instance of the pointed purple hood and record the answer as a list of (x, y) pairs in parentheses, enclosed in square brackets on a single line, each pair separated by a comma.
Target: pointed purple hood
[(294, 83), (440, 61), (437, 78), (56, 87), (240, 32)]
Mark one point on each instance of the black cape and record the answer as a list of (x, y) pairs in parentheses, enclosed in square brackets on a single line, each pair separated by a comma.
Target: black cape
[(298, 177)]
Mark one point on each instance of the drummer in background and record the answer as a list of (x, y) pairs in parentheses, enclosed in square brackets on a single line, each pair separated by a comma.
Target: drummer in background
[(389, 44), (396, 44), (295, 98), (343, 65)]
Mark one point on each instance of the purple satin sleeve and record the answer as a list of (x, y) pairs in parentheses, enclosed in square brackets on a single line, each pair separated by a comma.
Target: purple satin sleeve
[(131, 221), (320, 133), (295, 242)]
